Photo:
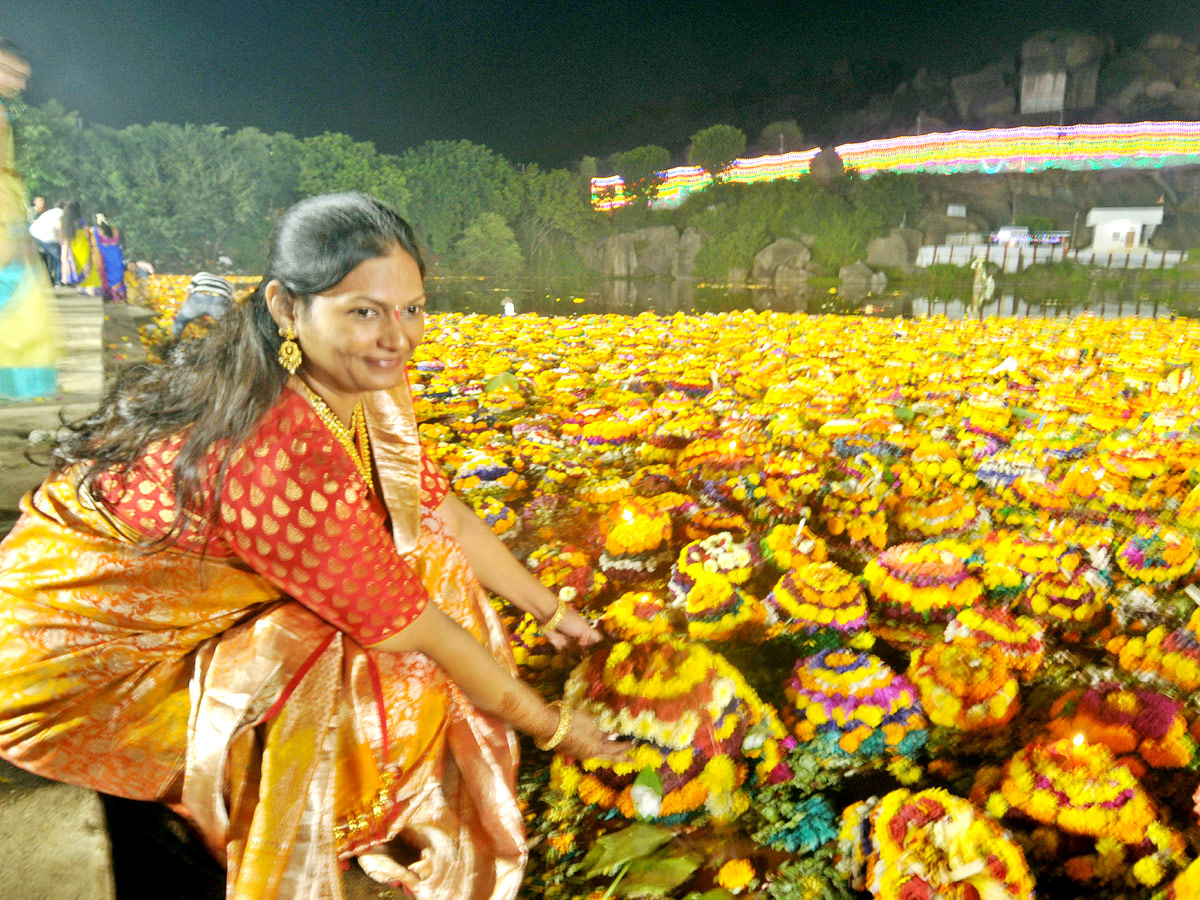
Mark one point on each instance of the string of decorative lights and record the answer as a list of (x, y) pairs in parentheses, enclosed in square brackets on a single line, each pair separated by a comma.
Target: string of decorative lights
[(1026, 149)]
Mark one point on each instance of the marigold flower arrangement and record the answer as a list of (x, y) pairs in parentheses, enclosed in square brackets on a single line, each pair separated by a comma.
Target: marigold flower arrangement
[(702, 728), (566, 567), (484, 475), (788, 547), (1080, 788), (847, 704), (818, 597), (923, 582), (1160, 557), (720, 554), (930, 844), (715, 608), (1019, 639), (636, 613), (501, 519), (947, 514), (1127, 721), (1173, 656), (964, 687)]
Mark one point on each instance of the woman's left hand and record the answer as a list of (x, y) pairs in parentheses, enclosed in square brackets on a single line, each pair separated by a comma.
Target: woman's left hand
[(573, 629)]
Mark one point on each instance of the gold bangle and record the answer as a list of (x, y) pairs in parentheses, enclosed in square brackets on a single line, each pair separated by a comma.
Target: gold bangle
[(560, 612), (564, 725)]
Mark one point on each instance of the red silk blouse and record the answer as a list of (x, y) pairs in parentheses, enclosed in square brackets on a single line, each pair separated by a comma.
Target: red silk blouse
[(296, 510)]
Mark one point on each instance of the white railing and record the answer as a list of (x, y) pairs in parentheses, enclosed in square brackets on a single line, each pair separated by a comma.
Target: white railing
[(1018, 257)]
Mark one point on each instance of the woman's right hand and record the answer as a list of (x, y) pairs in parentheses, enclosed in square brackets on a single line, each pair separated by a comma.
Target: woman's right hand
[(585, 740)]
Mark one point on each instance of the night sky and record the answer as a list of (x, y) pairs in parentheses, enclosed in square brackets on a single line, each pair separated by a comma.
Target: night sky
[(536, 81)]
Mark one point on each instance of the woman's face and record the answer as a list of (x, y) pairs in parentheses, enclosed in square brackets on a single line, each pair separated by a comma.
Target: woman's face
[(358, 335)]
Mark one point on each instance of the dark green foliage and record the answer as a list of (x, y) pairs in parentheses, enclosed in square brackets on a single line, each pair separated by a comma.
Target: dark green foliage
[(640, 168), (714, 148)]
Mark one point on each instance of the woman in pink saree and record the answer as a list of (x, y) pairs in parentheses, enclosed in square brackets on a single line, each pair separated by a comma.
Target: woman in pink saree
[(246, 592)]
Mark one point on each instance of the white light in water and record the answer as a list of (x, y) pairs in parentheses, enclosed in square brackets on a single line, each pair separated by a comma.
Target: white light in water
[(627, 516), (1078, 740), (732, 446)]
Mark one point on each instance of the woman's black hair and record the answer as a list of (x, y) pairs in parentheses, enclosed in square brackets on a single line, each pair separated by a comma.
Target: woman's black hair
[(8, 48), (217, 389)]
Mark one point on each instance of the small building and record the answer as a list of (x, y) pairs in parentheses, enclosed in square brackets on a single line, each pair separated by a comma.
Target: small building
[(1118, 229)]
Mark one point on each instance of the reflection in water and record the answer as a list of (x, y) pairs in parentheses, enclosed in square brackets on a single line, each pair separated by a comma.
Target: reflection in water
[(668, 296)]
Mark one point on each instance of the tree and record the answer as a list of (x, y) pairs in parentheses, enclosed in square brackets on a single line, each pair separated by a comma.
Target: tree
[(488, 247), (782, 136), (715, 147), (452, 183), (641, 169), (336, 162), (554, 218), (49, 143)]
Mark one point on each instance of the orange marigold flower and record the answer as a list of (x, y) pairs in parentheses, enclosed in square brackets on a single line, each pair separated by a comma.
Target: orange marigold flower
[(736, 875)]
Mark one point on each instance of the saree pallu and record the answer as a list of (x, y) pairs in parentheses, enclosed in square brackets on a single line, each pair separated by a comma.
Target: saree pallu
[(77, 266), (170, 677)]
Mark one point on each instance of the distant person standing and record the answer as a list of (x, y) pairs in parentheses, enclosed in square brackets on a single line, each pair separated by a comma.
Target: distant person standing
[(207, 295), (27, 341), (46, 231), (39, 207), (76, 245), (108, 261)]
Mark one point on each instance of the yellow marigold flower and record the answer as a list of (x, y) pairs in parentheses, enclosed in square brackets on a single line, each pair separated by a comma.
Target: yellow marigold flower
[(736, 875)]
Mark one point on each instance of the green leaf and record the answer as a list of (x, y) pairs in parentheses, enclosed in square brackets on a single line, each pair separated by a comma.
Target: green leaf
[(501, 381), (714, 894), (614, 850), (903, 413), (658, 876)]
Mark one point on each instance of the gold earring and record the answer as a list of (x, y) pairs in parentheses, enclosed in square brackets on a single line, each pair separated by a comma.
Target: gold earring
[(289, 350)]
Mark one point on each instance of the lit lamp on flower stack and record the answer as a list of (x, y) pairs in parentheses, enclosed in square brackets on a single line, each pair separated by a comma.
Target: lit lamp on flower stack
[(1079, 788), (850, 707), (930, 844), (1142, 728), (711, 467), (703, 733), (635, 534)]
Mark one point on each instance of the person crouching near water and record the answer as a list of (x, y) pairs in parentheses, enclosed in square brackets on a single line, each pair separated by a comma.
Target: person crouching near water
[(246, 591)]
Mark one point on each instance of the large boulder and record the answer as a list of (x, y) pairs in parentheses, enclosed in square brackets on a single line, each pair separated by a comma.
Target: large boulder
[(858, 279), (657, 252), (685, 259), (1076, 54), (986, 94), (783, 265), (896, 251), (657, 249)]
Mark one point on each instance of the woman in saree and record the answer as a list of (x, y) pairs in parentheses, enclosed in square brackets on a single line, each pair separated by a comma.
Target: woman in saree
[(247, 592), (107, 277), (27, 326), (76, 246)]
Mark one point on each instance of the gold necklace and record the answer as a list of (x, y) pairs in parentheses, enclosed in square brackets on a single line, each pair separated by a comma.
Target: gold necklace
[(347, 437)]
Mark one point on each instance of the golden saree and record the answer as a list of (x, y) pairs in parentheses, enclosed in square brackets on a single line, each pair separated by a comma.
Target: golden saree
[(195, 680)]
